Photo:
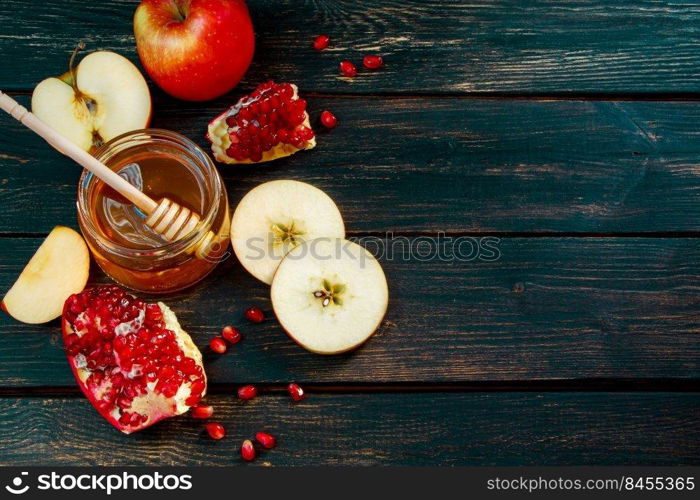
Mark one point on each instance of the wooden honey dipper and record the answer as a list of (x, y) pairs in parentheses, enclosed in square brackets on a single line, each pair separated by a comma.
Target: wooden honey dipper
[(167, 218)]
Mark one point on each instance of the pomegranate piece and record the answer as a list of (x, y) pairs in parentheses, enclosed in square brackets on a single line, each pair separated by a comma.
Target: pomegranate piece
[(216, 430), (295, 391), (328, 119), (231, 335), (255, 315), (269, 123), (248, 450), (372, 62), (247, 392), (202, 411), (217, 345), (348, 69), (131, 359), (266, 440), (321, 42)]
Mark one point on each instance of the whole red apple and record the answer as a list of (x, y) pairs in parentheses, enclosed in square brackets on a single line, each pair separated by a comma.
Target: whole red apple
[(194, 49)]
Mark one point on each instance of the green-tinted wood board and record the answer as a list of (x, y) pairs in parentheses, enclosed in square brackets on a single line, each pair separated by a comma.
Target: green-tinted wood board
[(430, 165), (503, 428), (548, 308), (456, 47)]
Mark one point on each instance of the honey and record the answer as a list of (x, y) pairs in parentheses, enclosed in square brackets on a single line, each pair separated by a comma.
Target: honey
[(162, 164)]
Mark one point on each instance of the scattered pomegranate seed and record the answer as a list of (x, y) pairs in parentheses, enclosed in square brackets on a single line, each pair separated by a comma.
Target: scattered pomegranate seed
[(231, 334), (348, 69), (247, 392), (202, 411), (266, 440), (372, 62), (255, 315), (248, 450), (216, 430), (328, 119), (218, 345), (321, 42), (295, 391)]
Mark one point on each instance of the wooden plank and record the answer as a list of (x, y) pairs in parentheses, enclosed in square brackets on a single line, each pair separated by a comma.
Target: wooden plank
[(520, 46), (548, 308), (430, 165), (374, 429)]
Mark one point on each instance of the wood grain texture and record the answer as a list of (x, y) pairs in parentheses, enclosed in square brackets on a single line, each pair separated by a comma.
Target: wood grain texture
[(548, 308), (374, 429), (457, 47), (430, 165)]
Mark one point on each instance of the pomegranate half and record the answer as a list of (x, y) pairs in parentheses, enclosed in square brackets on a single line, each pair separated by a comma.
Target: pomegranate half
[(269, 123), (131, 359)]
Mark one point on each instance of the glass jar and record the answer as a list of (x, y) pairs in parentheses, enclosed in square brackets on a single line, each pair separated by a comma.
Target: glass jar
[(162, 164)]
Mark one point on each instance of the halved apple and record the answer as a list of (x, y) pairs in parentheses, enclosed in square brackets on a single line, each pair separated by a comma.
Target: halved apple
[(103, 97), (275, 217), (329, 295), (58, 269)]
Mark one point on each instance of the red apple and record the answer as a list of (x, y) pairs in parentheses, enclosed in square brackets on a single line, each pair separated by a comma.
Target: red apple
[(194, 49)]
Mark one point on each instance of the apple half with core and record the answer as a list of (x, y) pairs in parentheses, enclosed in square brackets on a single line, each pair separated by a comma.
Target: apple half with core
[(330, 295), (194, 49), (277, 216), (103, 97), (59, 268)]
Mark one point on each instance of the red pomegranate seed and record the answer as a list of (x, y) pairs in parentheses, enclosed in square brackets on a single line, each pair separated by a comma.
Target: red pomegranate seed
[(348, 69), (216, 430), (247, 392), (248, 450), (266, 440), (372, 62), (255, 315), (321, 42), (328, 119), (121, 350), (306, 134), (231, 334), (202, 411), (295, 391), (258, 122), (217, 345)]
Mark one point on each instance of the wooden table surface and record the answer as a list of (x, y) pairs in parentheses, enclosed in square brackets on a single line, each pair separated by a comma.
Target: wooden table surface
[(567, 130)]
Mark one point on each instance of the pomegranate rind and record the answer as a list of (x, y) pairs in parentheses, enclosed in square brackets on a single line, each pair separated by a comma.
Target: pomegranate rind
[(150, 403), (218, 135)]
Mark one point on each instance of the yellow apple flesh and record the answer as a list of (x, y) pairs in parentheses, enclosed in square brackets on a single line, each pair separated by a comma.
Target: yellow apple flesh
[(104, 97), (58, 269)]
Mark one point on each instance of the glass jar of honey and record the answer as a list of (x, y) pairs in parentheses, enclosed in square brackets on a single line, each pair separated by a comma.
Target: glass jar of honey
[(162, 164)]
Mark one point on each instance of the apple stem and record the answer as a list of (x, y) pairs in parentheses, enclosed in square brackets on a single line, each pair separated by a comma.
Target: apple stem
[(71, 65), (180, 11)]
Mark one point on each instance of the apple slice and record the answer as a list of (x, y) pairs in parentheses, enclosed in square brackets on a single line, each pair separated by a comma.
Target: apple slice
[(58, 269), (329, 295), (105, 96), (275, 217)]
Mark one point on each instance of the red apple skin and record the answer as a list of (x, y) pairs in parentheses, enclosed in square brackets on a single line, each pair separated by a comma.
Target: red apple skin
[(194, 50)]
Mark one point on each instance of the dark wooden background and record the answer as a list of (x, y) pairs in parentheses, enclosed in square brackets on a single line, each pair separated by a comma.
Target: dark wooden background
[(570, 130)]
